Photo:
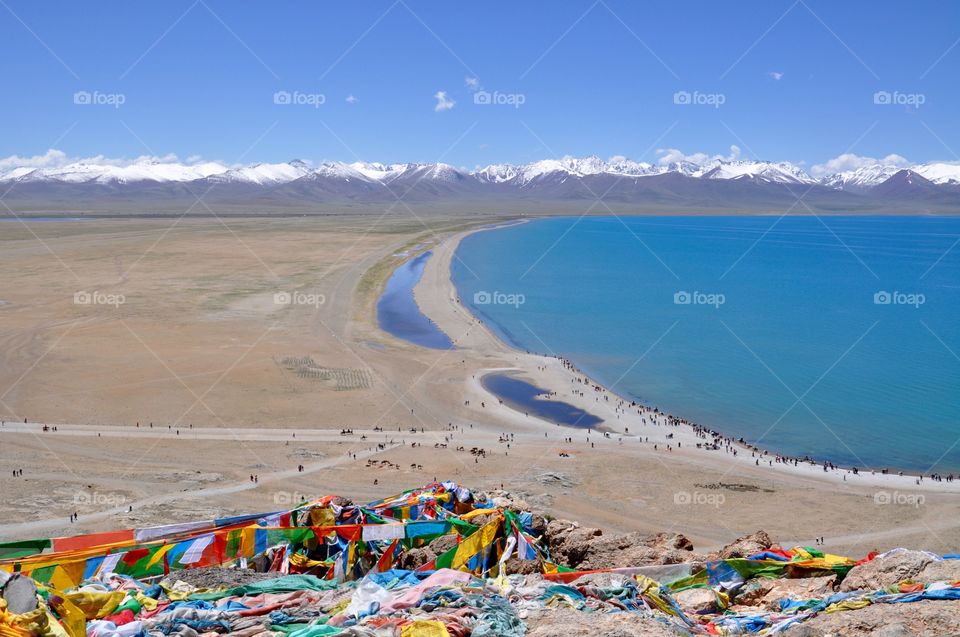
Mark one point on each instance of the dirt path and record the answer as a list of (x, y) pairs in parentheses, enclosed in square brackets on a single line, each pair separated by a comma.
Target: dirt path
[(26, 529)]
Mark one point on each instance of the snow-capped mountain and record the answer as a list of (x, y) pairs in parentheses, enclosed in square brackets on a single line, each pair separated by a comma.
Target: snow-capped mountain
[(497, 173), (907, 184), (939, 173), (78, 173), (688, 168), (379, 172), (624, 166), (264, 174), (731, 184), (519, 175), (387, 173), (861, 178), (783, 172), (560, 169), (872, 175), (435, 172)]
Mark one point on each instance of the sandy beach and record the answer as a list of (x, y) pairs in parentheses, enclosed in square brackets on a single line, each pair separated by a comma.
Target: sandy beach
[(257, 390)]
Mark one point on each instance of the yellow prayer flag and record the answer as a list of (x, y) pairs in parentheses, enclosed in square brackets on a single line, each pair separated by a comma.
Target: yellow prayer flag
[(475, 543), (424, 628)]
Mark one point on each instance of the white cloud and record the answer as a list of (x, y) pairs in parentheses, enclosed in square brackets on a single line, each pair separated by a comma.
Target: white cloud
[(444, 103), (52, 157), (351, 99), (55, 158), (672, 155), (472, 83), (850, 161), (166, 159), (777, 75)]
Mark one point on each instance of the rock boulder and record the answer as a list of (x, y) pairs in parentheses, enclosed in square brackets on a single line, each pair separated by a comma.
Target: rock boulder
[(882, 572)]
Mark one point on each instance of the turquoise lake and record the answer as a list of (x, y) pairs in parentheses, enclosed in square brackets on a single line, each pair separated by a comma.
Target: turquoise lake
[(836, 338)]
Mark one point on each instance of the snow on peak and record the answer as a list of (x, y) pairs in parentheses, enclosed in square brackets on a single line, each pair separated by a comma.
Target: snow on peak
[(497, 173), (565, 166), (684, 167), (337, 170), (782, 172), (265, 174), (622, 166), (939, 172), (438, 172), (375, 171), (88, 172), (100, 170), (17, 173), (862, 177)]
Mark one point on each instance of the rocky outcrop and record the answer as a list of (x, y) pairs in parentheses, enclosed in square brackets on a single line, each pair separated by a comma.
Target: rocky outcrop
[(697, 601), (19, 593), (513, 566), (587, 548), (565, 622), (924, 619), (415, 558), (745, 546), (887, 570), (215, 577), (939, 571), (767, 592), (482, 519), (798, 588)]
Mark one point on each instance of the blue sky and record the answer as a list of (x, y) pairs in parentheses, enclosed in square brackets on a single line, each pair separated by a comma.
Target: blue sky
[(796, 80)]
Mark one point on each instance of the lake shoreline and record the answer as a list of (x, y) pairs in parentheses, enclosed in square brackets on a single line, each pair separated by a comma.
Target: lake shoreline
[(453, 315)]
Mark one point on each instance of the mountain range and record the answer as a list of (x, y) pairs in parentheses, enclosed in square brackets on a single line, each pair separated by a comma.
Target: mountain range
[(552, 184)]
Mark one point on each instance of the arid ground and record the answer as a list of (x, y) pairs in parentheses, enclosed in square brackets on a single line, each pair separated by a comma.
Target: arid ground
[(250, 344)]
